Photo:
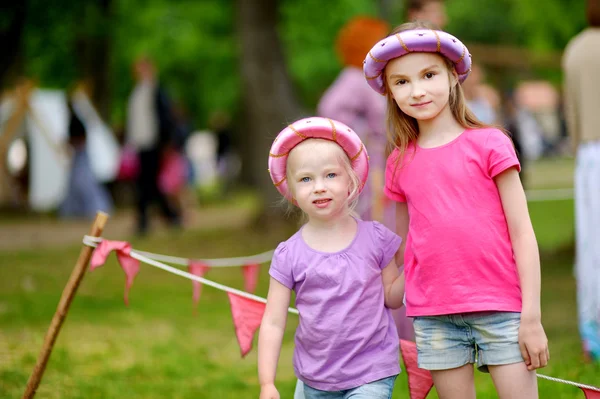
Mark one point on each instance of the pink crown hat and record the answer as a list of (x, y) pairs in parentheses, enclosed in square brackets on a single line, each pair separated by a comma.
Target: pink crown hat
[(415, 41), (315, 128)]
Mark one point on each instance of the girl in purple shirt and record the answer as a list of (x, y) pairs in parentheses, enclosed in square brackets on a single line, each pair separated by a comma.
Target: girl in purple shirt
[(470, 254), (341, 269)]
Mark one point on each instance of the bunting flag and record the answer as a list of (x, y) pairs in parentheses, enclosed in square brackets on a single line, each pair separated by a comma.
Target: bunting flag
[(419, 380), (591, 394), (199, 269), (247, 315), (130, 266), (250, 277)]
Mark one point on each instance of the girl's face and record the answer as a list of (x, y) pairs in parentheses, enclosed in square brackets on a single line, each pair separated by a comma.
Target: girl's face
[(420, 84), (318, 179)]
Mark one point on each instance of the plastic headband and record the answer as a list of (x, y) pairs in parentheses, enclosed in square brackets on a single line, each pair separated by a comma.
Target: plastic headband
[(413, 41), (315, 128)]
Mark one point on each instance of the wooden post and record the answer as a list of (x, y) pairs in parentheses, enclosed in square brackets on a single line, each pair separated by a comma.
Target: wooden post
[(63, 307)]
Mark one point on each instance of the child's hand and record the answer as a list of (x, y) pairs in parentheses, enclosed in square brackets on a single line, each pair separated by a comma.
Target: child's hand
[(268, 391), (533, 344)]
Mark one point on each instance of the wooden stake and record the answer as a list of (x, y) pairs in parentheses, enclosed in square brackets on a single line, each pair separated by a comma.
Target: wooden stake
[(63, 307)]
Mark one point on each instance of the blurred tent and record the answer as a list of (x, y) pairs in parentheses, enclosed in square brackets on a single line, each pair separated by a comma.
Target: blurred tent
[(37, 119)]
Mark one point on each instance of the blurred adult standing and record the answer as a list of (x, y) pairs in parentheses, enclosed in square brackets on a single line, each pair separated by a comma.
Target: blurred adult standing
[(350, 100), (150, 130), (581, 65)]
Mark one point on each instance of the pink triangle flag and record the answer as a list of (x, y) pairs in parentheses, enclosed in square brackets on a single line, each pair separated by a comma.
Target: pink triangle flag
[(247, 315), (130, 266), (197, 268), (419, 380), (250, 277), (591, 394)]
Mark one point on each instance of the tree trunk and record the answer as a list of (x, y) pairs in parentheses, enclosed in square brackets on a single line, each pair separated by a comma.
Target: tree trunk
[(11, 36), (94, 49), (269, 100)]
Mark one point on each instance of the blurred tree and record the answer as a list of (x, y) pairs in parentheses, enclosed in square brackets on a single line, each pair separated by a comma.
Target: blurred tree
[(269, 99), (93, 48), (308, 30), (12, 23)]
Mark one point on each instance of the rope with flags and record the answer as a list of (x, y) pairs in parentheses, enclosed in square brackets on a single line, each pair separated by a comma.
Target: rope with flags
[(247, 309)]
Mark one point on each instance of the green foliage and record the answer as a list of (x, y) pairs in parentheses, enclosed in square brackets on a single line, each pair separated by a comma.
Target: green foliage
[(308, 29), (195, 46)]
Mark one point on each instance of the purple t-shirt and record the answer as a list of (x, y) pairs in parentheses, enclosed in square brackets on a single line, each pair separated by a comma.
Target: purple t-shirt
[(346, 336)]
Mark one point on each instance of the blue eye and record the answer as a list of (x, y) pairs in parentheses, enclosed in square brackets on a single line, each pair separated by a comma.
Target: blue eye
[(305, 179), (331, 175)]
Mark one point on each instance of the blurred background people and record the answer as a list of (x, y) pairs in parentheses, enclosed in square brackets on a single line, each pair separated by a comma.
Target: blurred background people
[(150, 131), (480, 98), (85, 195), (581, 64)]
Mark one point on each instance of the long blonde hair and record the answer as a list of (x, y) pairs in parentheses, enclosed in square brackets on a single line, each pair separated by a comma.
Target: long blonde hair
[(403, 129)]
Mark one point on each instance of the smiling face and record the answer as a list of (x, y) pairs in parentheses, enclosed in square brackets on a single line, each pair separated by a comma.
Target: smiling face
[(420, 84), (320, 179)]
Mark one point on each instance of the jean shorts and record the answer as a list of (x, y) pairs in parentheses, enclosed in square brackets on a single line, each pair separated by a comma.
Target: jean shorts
[(380, 389), (451, 341)]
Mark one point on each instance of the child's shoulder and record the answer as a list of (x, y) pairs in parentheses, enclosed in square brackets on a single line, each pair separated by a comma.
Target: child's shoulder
[(484, 135), (376, 229), (396, 155), (288, 246)]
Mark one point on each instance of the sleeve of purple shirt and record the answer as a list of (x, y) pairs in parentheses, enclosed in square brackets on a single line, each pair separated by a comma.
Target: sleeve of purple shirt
[(388, 243), (281, 268)]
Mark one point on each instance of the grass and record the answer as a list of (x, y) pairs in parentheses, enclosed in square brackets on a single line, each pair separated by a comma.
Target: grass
[(159, 347)]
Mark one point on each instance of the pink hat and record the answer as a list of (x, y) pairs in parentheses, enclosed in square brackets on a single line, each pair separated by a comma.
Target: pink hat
[(414, 41), (315, 128)]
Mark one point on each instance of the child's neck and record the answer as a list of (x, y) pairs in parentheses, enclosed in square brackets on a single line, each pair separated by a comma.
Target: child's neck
[(439, 130), (330, 235)]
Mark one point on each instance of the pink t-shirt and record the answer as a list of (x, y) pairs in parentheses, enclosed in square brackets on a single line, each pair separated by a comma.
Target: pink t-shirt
[(346, 336), (458, 255)]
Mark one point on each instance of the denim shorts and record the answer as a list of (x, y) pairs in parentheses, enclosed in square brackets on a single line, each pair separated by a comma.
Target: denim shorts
[(451, 341), (380, 389)]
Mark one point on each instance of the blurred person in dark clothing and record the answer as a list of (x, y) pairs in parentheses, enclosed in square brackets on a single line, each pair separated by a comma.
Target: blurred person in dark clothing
[(150, 130)]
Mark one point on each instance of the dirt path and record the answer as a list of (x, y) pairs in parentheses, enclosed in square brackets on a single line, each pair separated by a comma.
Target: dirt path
[(45, 232)]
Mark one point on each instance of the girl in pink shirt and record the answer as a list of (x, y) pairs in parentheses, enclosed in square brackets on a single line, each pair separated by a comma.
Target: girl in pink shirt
[(470, 254), (341, 268)]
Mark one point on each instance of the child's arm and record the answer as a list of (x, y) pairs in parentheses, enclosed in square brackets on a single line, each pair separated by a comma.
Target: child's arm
[(270, 337), (401, 229), (532, 338), (393, 285)]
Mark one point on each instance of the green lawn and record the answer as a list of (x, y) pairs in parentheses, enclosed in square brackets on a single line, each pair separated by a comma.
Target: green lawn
[(157, 347)]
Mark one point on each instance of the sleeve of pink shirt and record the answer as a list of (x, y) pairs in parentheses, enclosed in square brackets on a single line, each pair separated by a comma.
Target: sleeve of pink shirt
[(391, 188), (501, 153), (388, 243), (281, 268)]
